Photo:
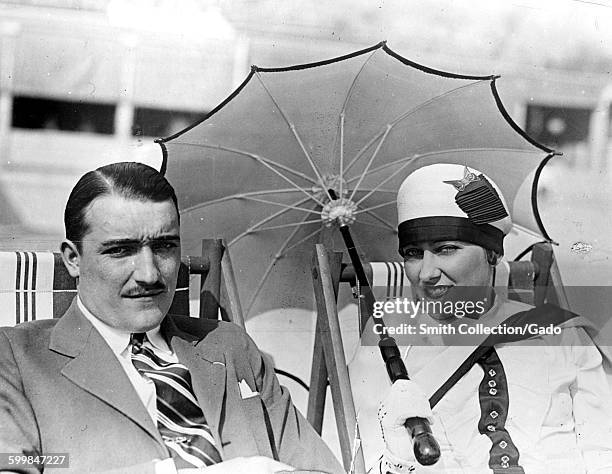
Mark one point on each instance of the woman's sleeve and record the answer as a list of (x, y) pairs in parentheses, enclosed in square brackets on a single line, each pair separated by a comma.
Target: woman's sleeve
[(592, 405)]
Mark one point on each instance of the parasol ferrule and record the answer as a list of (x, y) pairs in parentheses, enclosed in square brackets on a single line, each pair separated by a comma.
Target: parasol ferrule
[(343, 211)]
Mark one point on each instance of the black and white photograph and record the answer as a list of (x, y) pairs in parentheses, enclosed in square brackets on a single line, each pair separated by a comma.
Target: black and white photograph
[(338, 237)]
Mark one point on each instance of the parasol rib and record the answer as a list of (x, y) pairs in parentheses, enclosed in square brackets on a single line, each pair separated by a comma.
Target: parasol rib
[(372, 158), (443, 152), (385, 166), (378, 206), (388, 178), (285, 226), (296, 136), (408, 160), (373, 224), (405, 115), (301, 241), (267, 163), (363, 150), (343, 114), (341, 173), (354, 81), (236, 196), (366, 190), (380, 219), (262, 222), (391, 176), (263, 279), (267, 191), (286, 206), (238, 151)]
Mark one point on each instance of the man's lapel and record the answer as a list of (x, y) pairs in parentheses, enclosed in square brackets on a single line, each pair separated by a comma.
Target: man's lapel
[(206, 364), (95, 369)]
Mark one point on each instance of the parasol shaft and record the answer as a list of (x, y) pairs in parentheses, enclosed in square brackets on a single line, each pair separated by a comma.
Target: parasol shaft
[(426, 448)]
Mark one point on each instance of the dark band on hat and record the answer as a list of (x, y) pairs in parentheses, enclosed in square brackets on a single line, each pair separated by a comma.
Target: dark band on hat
[(438, 228)]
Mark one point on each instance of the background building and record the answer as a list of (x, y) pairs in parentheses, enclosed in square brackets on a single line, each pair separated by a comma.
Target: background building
[(85, 82)]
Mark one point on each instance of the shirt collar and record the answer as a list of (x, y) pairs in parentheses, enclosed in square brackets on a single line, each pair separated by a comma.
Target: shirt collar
[(119, 340)]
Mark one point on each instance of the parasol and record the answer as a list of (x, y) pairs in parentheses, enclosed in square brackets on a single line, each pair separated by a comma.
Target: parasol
[(295, 151)]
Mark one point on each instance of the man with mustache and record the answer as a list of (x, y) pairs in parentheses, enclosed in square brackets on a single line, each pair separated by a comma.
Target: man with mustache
[(120, 386)]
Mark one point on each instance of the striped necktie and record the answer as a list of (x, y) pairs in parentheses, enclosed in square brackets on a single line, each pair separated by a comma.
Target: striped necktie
[(180, 420)]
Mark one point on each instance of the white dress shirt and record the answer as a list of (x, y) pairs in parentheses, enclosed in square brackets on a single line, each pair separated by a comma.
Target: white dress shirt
[(119, 343)]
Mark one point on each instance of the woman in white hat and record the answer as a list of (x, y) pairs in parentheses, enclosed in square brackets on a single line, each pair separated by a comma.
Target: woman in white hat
[(518, 403)]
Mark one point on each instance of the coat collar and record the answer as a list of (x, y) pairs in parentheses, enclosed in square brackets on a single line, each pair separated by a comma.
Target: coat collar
[(95, 369), (71, 333)]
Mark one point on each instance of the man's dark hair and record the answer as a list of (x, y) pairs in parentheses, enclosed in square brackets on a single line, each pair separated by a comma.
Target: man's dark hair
[(130, 180)]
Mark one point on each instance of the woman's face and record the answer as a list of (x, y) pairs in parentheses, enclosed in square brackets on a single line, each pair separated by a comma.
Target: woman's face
[(448, 270)]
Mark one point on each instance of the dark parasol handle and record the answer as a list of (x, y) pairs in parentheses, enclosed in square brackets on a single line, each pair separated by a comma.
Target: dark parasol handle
[(426, 448)]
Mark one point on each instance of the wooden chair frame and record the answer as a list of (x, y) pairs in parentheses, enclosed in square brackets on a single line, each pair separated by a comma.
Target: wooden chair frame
[(218, 290)]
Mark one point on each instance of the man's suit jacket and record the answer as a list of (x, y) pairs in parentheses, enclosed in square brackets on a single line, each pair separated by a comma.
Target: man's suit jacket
[(62, 390)]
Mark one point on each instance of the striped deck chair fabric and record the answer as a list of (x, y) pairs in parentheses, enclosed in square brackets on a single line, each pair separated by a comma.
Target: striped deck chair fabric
[(389, 280), (33, 285)]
